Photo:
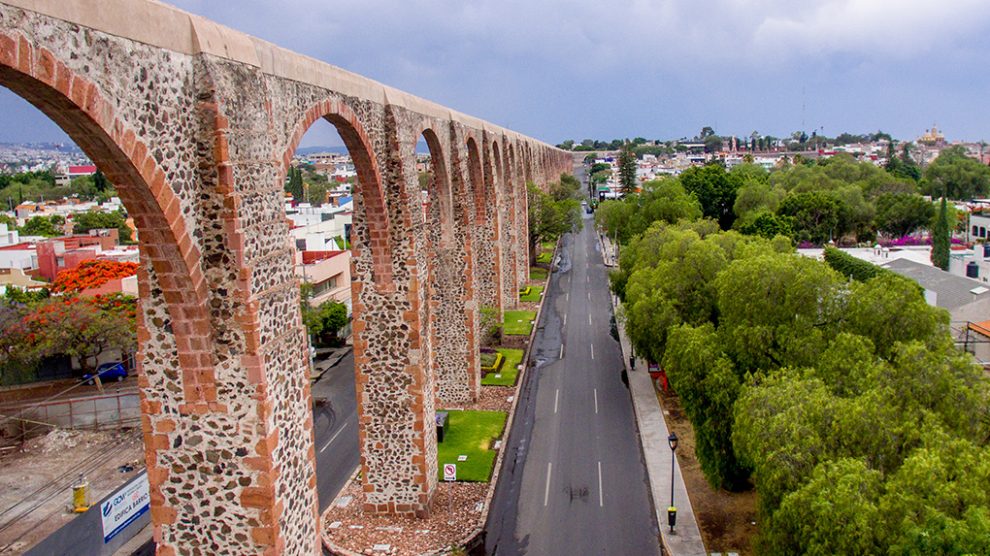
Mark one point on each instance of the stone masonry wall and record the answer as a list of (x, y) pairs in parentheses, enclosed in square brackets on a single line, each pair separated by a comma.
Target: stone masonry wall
[(453, 312), (506, 200), (198, 144)]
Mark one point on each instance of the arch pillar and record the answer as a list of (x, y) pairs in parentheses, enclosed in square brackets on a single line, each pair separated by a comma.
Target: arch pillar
[(504, 203), (521, 209), (392, 338)]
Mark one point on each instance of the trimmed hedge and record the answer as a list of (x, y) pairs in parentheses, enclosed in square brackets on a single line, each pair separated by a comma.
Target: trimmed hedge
[(496, 364), (858, 269), (847, 265)]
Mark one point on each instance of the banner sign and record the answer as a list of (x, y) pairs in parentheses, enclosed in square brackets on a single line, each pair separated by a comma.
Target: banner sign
[(126, 505)]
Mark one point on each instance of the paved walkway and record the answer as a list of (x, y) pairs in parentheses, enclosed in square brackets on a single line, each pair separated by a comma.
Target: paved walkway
[(685, 540)]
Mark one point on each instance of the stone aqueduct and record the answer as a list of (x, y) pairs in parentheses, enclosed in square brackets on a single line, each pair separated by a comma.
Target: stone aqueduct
[(197, 124)]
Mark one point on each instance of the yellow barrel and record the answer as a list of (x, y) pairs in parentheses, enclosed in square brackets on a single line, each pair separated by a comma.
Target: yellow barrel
[(80, 497)]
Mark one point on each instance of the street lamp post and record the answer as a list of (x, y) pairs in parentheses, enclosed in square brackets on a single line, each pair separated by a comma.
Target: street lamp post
[(672, 510)]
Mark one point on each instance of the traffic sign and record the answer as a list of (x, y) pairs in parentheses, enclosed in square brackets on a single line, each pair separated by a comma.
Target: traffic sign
[(449, 472)]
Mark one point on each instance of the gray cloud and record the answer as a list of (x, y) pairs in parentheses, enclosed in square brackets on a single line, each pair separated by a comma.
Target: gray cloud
[(557, 69)]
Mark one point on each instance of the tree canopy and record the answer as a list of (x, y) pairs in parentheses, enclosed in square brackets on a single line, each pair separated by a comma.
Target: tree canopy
[(956, 175), (96, 220), (863, 427)]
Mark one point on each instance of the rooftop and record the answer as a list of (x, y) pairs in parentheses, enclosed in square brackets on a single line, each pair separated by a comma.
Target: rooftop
[(952, 292)]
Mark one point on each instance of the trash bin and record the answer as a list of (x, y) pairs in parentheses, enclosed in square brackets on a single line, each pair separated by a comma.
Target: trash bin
[(441, 424)]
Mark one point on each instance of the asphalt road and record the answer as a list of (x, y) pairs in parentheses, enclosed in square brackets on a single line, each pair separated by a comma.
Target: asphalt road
[(574, 481), (335, 430)]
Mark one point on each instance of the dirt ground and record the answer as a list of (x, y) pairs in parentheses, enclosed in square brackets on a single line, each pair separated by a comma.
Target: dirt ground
[(727, 520), (35, 484)]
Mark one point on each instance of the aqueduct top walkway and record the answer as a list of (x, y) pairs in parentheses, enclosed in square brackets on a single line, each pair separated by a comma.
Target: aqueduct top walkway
[(196, 124)]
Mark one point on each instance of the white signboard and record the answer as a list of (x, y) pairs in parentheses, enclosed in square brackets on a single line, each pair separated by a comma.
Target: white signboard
[(449, 472), (126, 505)]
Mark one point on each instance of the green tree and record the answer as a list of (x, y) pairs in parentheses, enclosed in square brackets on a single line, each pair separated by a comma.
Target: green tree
[(40, 226), (902, 166), (713, 144), (316, 193), (80, 328), (660, 200), (887, 309), (715, 189), (900, 214), (627, 169), (708, 385), (768, 225), (548, 217), (98, 220), (777, 310), (324, 321), (816, 216), (941, 239), (100, 182), (937, 502), (955, 175), (294, 183), (835, 512)]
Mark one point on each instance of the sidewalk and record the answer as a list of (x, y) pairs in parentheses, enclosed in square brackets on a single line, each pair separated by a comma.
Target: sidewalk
[(685, 540), (326, 358)]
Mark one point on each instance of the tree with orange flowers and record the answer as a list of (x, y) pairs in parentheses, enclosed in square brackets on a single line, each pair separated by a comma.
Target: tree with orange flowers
[(92, 274), (84, 328)]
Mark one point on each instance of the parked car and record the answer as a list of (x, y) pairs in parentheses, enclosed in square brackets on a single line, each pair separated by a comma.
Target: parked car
[(113, 370)]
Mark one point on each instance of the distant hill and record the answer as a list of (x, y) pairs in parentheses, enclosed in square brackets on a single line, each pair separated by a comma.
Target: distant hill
[(304, 151), (69, 148), (421, 148)]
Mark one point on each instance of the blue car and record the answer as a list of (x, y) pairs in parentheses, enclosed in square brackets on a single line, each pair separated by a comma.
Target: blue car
[(113, 370)]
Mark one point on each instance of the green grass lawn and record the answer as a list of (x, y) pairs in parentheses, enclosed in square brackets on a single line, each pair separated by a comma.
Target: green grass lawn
[(533, 296), (548, 245), (545, 257), (518, 323), (537, 274), (471, 434), (509, 370)]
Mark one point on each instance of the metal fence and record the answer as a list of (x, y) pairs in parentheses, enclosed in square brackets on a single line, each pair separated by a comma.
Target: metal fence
[(107, 410)]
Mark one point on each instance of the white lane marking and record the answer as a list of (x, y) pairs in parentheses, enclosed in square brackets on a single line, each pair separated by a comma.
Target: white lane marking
[(567, 297), (592, 351), (565, 320), (589, 296), (589, 320), (589, 279), (561, 351), (556, 398), (332, 438), (601, 495), (596, 400), (546, 492)]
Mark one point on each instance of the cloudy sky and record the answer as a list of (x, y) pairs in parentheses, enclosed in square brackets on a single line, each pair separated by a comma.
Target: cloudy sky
[(577, 69)]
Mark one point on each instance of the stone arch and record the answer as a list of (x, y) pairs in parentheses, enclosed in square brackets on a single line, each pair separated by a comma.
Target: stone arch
[(441, 185), (488, 278), (527, 162), (78, 106), (358, 144), (477, 180)]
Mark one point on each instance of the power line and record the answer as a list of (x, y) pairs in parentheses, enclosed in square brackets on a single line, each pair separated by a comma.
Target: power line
[(58, 487)]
